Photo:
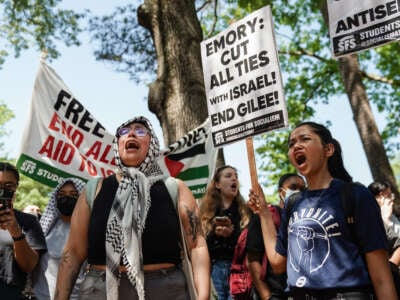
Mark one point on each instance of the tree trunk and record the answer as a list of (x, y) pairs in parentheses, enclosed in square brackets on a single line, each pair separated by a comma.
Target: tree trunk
[(177, 97), (363, 117)]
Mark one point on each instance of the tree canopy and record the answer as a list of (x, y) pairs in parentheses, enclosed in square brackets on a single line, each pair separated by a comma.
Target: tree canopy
[(39, 24), (312, 76), (29, 191), (6, 114)]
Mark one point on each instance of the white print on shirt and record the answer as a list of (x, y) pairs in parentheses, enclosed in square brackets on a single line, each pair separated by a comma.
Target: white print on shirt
[(310, 229)]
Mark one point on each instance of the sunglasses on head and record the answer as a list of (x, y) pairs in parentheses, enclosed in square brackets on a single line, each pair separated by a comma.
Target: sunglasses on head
[(139, 131)]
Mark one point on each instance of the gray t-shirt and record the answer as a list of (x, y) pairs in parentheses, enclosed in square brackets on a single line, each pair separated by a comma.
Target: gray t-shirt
[(10, 273)]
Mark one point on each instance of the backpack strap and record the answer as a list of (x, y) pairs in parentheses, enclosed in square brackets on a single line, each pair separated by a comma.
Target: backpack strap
[(172, 187), (91, 187), (347, 199)]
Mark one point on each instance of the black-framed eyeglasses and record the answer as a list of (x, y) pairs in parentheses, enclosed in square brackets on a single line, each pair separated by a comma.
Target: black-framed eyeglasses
[(139, 131)]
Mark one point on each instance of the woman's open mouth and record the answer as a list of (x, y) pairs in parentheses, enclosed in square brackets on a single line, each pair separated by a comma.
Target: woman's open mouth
[(132, 145), (300, 159)]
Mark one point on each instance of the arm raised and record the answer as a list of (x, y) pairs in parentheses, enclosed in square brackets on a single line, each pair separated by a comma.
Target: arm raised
[(259, 206)]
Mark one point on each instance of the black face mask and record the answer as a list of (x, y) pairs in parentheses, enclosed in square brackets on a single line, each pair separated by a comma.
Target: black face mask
[(66, 205), (5, 198)]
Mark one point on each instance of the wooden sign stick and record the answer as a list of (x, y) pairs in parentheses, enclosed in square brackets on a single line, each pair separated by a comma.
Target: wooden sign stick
[(252, 163)]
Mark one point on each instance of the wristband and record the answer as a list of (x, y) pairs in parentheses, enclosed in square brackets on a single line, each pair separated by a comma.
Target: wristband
[(19, 238)]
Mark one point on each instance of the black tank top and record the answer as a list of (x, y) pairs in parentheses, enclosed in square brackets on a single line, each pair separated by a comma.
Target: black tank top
[(160, 239)]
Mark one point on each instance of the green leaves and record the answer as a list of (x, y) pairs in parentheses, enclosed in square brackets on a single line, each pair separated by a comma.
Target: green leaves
[(311, 76), (39, 24), (6, 114), (119, 39)]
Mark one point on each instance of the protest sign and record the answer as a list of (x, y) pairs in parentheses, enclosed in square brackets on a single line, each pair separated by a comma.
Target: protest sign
[(357, 25), (243, 80), (62, 139)]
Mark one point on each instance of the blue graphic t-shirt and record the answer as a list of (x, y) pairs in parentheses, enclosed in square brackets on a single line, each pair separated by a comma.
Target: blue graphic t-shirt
[(317, 242)]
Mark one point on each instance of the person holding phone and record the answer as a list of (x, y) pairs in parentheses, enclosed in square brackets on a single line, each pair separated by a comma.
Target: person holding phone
[(21, 238), (224, 214)]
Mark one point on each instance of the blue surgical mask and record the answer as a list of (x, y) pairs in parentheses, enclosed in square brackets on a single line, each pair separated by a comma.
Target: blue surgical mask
[(288, 193)]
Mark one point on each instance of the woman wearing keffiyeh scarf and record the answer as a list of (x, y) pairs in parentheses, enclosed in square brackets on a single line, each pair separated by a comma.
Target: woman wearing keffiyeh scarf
[(55, 224), (140, 255)]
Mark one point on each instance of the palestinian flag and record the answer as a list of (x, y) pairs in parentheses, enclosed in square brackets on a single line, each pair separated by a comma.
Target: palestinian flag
[(192, 159)]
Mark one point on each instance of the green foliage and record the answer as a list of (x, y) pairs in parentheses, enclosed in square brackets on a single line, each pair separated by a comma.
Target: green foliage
[(120, 39), (5, 115), (38, 23), (31, 192), (311, 76)]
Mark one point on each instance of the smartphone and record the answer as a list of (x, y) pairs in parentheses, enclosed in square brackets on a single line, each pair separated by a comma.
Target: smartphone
[(5, 198)]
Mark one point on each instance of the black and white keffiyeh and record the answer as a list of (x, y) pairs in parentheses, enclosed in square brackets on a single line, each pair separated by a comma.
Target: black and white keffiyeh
[(51, 213), (127, 217)]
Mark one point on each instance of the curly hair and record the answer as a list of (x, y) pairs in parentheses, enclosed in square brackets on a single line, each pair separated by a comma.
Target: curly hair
[(212, 200)]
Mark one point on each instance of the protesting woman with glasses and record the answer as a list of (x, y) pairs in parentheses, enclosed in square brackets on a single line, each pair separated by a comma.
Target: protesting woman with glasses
[(326, 255), (130, 234), (224, 214), (55, 223), (21, 238)]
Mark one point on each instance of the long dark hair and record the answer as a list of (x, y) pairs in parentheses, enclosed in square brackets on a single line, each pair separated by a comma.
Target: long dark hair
[(335, 162), (212, 200)]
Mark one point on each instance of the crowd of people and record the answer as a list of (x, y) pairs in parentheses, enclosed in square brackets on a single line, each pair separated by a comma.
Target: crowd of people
[(122, 237)]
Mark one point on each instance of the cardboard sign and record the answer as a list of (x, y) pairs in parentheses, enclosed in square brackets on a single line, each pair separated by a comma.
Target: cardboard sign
[(358, 25), (243, 80)]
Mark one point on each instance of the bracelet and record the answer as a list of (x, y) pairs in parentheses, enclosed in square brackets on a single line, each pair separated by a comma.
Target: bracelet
[(19, 238)]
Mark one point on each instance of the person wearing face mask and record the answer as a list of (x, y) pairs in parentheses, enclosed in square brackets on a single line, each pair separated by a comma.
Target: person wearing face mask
[(55, 223), (268, 285), (21, 238), (289, 184)]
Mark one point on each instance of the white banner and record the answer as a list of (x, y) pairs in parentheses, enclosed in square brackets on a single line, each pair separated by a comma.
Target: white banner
[(243, 80), (358, 25), (62, 139)]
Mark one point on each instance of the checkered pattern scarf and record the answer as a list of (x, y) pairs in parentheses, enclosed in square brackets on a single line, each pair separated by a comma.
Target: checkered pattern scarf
[(51, 213), (127, 217)]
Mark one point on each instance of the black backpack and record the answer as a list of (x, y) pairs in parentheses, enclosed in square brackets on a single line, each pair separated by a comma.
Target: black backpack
[(348, 206)]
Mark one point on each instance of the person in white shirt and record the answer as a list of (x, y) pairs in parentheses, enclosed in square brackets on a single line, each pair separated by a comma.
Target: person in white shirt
[(385, 197)]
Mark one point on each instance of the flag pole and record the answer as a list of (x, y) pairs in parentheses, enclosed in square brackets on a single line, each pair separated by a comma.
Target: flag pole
[(252, 163), (43, 55)]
